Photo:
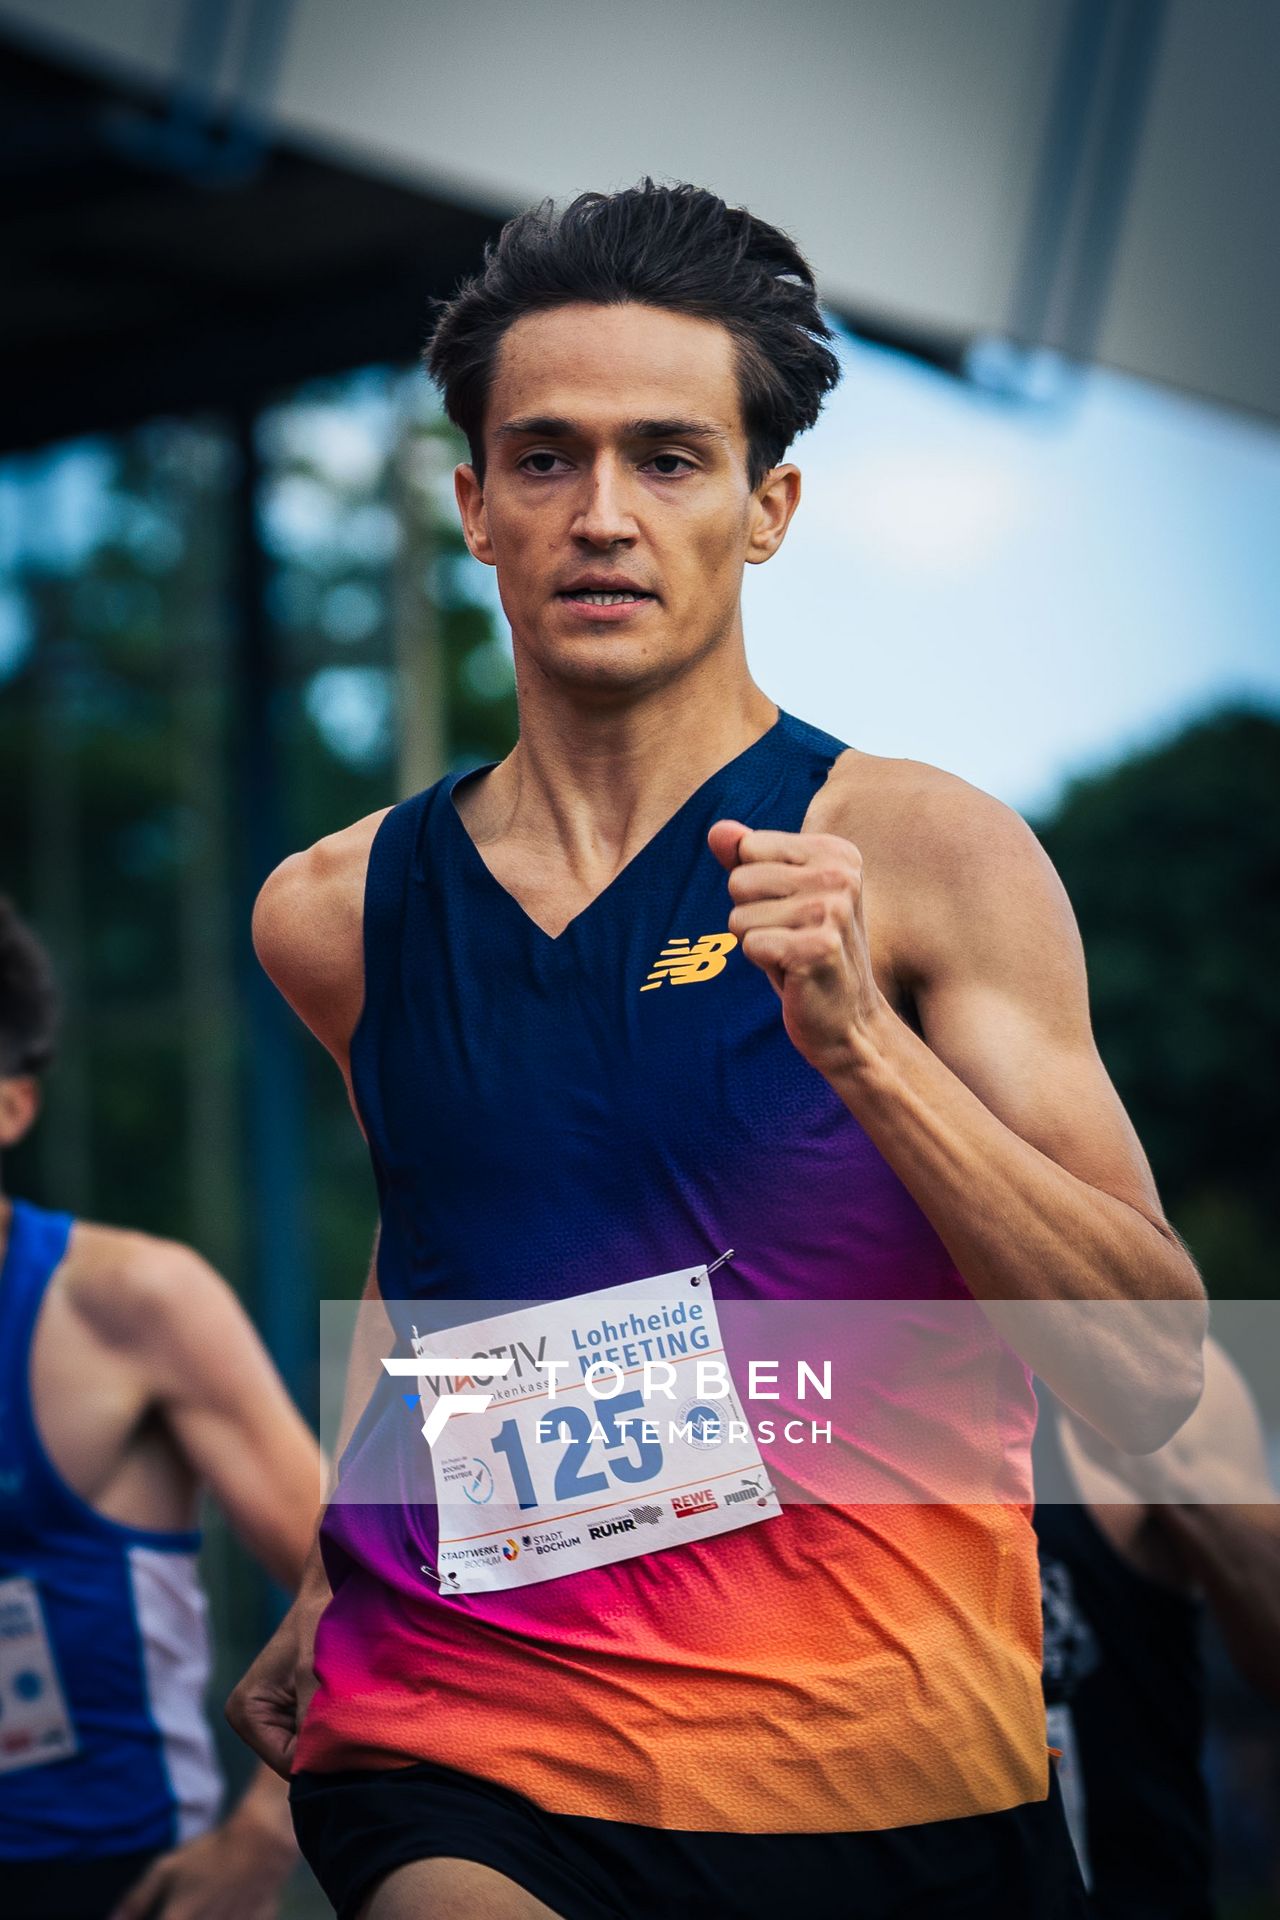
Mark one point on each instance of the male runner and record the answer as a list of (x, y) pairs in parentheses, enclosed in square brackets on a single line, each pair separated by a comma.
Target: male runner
[(872, 1074), (130, 1380), (1132, 1554)]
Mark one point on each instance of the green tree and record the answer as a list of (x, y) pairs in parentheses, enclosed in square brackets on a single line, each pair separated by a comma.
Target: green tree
[(1172, 861)]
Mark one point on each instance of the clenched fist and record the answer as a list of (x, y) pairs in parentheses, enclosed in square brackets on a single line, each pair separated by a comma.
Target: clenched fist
[(798, 915)]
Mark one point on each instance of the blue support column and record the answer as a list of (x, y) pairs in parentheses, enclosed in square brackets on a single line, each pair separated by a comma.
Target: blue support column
[(280, 1295)]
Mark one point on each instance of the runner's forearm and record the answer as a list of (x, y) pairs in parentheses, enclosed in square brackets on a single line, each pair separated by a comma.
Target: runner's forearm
[(264, 1806), (1021, 1228)]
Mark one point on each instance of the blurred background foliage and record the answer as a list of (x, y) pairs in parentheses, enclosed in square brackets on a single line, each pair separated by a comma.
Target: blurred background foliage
[(1172, 863), (122, 806)]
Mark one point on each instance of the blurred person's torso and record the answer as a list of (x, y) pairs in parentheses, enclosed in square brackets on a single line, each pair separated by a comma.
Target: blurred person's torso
[(104, 1645)]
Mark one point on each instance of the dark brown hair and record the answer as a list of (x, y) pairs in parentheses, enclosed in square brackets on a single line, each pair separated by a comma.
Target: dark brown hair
[(28, 998), (678, 247)]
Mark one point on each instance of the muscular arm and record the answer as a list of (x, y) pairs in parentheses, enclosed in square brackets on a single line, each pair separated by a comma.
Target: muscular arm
[(308, 935), (203, 1372), (998, 1116), (1209, 1495)]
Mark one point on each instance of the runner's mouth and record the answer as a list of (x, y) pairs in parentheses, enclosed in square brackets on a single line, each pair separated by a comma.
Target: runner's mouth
[(592, 597)]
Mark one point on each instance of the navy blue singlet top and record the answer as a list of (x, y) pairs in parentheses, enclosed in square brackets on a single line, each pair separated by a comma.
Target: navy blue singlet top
[(549, 1116)]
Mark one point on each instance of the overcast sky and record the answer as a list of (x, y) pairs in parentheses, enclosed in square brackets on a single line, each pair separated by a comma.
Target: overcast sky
[(1020, 592)]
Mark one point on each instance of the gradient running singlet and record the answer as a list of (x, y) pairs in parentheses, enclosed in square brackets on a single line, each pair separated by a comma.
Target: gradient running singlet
[(547, 1116)]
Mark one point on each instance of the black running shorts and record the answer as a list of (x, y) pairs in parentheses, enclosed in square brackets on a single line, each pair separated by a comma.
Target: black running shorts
[(69, 1889), (354, 1828)]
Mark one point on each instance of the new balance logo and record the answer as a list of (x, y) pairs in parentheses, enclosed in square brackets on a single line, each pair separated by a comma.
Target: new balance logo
[(682, 963)]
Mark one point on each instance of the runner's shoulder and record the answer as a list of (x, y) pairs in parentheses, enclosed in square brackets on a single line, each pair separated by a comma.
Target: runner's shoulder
[(955, 861), (124, 1287), (918, 814), (308, 918)]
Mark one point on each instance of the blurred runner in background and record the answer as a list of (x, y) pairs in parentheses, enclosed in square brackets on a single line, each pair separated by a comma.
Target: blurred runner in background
[(1134, 1550), (131, 1380)]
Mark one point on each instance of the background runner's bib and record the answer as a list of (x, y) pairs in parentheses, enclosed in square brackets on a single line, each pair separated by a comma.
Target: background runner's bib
[(627, 1091), (1124, 1678), (35, 1726)]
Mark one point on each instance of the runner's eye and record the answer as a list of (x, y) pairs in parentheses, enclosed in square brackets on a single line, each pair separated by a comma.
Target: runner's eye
[(669, 465), (541, 462)]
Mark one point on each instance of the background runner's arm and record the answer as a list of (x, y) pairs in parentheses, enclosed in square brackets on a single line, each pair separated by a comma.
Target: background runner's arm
[(235, 1871), (210, 1379), (998, 1116), (1211, 1494), (1233, 1553)]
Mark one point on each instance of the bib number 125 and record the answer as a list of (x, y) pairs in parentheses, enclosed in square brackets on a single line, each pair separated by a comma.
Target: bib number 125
[(633, 1455)]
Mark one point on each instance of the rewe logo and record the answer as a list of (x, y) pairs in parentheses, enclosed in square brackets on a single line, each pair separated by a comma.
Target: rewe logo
[(683, 964), (447, 1404), (687, 1504)]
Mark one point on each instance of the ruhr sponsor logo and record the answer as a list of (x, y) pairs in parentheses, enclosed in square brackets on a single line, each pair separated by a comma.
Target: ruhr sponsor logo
[(607, 1528)]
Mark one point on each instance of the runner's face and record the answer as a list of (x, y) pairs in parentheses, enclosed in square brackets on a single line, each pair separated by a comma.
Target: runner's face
[(616, 457), (19, 1105)]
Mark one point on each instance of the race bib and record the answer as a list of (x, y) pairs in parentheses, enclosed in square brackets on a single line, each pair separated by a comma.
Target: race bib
[(613, 1429), (35, 1726), (1061, 1730)]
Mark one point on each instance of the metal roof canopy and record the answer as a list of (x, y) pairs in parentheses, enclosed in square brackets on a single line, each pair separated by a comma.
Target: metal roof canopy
[(158, 266), (213, 199), (1097, 177), (164, 258)]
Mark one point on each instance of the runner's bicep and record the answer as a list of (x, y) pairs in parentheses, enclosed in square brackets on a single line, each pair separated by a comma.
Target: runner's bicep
[(1032, 1061)]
